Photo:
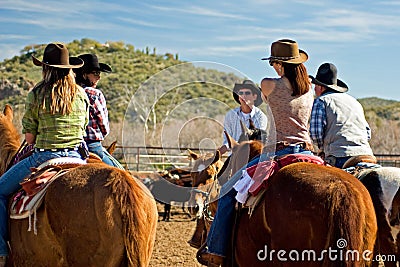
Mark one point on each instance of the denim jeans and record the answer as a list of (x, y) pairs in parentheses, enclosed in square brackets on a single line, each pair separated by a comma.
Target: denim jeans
[(9, 183), (338, 162), (97, 148), (222, 226)]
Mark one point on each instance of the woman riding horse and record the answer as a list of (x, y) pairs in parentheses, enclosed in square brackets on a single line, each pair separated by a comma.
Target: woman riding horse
[(290, 100), (305, 208)]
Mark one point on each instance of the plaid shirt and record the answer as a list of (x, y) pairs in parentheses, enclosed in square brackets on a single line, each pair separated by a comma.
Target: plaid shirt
[(98, 127), (56, 130), (318, 122)]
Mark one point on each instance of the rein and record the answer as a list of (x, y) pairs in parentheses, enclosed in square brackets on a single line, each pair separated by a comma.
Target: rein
[(11, 163), (208, 217)]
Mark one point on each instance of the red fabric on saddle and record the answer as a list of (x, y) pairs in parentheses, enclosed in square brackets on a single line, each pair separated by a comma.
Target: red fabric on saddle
[(263, 170)]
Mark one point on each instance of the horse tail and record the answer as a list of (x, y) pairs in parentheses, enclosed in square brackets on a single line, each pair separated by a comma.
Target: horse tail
[(352, 223), (138, 215)]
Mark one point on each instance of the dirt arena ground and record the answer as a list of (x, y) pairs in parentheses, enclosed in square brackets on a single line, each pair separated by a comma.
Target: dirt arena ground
[(171, 247)]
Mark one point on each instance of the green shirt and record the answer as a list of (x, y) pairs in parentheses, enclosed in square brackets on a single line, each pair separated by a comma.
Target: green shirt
[(56, 130)]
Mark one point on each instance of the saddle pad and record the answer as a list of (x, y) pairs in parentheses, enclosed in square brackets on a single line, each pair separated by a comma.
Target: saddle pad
[(253, 201), (263, 170), (24, 205), (62, 161)]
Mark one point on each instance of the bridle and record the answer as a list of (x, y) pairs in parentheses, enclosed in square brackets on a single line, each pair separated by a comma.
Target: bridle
[(207, 215)]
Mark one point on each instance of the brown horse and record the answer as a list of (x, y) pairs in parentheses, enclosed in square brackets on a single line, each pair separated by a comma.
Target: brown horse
[(308, 215), (94, 215)]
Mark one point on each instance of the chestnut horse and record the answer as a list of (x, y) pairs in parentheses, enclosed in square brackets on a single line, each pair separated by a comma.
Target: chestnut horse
[(94, 215), (306, 213)]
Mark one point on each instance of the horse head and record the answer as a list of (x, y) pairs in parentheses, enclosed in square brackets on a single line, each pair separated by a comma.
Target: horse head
[(9, 136), (241, 154), (204, 179), (252, 133)]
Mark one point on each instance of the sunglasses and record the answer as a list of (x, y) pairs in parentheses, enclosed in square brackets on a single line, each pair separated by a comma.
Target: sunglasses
[(245, 93), (271, 62), (96, 73)]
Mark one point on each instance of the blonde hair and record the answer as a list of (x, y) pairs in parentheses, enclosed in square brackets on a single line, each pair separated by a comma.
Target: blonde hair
[(57, 90)]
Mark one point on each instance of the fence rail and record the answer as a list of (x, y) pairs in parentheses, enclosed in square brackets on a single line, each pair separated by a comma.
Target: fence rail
[(139, 158)]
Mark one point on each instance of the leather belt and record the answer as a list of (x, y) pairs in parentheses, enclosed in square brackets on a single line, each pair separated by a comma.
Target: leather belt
[(55, 149), (284, 144)]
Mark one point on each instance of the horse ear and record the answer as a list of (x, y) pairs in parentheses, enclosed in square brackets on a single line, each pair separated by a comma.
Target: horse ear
[(8, 112), (193, 155), (231, 142), (112, 147), (245, 130), (252, 126), (217, 156)]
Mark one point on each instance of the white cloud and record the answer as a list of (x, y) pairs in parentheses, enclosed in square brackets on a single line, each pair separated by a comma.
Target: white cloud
[(201, 11), (8, 51)]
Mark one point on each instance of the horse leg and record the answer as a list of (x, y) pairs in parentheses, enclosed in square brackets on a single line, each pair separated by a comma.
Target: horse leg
[(199, 235), (386, 239), (167, 212), (186, 211)]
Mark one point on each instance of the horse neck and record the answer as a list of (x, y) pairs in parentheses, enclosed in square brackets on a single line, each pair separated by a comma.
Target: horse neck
[(9, 144), (241, 155)]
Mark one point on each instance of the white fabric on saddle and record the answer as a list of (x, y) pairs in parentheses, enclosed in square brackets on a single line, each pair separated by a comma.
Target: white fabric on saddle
[(61, 161), (242, 187)]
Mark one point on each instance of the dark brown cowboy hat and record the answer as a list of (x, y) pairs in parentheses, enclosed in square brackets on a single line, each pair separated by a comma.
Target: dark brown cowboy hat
[(57, 55), (247, 84), (287, 51), (327, 77), (92, 64)]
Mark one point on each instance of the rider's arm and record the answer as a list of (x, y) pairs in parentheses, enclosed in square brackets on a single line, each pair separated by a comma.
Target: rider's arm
[(30, 138), (318, 123)]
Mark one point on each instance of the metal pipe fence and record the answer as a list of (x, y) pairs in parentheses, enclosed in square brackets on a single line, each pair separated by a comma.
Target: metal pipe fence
[(140, 158)]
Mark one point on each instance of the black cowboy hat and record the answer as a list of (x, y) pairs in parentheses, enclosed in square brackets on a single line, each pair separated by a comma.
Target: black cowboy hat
[(57, 55), (92, 64), (327, 77), (287, 51), (247, 84)]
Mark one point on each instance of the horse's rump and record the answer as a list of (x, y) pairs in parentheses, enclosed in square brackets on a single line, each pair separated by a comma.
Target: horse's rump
[(307, 207), (93, 215)]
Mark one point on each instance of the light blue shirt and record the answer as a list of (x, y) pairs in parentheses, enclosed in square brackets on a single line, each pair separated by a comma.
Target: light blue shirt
[(233, 118)]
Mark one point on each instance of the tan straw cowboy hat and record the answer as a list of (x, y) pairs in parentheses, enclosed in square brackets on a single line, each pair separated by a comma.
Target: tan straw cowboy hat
[(57, 55), (287, 51)]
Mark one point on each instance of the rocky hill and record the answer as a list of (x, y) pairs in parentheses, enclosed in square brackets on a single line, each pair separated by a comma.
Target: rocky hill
[(156, 87)]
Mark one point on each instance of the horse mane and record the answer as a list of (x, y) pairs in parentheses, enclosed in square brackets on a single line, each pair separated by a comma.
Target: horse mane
[(10, 138), (242, 154)]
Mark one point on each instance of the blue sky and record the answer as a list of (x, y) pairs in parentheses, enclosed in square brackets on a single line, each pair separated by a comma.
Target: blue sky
[(362, 38)]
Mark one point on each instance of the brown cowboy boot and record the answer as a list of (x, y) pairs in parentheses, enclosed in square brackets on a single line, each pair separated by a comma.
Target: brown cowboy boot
[(3, 260), (208, 259), (197, 238)]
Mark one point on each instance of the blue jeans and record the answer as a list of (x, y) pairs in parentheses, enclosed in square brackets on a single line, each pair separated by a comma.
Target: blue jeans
[(97, 148), (9, 183), (338, 162), (222, 226)]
